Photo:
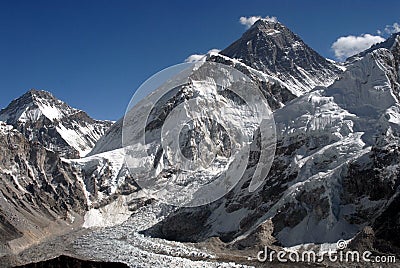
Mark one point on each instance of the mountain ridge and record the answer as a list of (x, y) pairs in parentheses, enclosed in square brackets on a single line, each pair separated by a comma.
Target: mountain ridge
[(66, 130), (331, 142), (272, 48), (277, 89), (335, 171)]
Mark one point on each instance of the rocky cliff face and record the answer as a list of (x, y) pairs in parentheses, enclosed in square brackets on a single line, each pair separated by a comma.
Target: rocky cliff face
[(273, 49), (39, 192), (42, 194)]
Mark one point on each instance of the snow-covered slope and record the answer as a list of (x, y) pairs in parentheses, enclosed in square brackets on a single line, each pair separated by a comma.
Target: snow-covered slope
[(43, 118), (336, 165), (335, 170), (111, 140), (223, 119), (274, 58), (105, 176)]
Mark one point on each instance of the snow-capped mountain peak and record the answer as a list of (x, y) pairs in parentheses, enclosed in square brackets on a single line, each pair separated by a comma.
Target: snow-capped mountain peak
[(392, 44), (42, 117), (270, 47), (32, 105)]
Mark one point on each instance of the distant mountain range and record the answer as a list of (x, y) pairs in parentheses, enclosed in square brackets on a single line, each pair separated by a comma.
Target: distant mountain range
[(335, 172)]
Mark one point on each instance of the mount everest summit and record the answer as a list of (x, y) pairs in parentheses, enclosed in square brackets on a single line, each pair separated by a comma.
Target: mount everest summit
[(334, 173)]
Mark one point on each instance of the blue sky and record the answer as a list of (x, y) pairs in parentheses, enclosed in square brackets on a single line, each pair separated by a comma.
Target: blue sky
[(95, 54)]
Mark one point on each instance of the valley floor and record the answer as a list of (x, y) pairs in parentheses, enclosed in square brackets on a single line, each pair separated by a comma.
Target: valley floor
[(124, 243)]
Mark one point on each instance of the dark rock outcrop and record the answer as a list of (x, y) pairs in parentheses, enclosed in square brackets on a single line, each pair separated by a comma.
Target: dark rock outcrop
[(71, 262)]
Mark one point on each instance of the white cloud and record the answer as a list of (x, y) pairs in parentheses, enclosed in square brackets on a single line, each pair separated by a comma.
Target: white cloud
[(347, 46), (195, 58), (200, 57), (394, 28), (248, 21)]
